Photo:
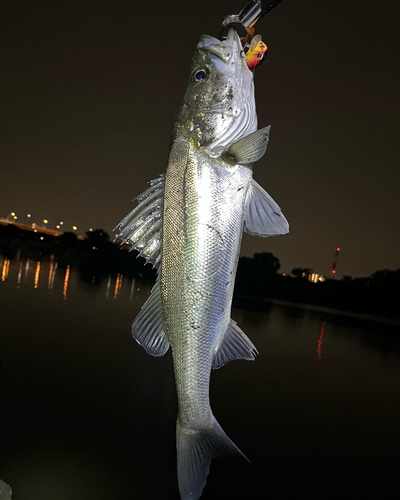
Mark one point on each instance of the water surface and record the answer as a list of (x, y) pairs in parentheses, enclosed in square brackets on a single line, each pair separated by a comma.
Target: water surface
[(88, 415)]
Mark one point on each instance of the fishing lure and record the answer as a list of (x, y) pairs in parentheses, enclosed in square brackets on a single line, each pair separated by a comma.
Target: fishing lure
[(256, 53)]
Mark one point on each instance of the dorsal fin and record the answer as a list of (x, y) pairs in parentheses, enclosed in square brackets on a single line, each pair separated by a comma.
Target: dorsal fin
[(142, 227)]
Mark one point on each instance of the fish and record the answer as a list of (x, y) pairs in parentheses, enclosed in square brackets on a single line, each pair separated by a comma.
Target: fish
[(188, 224), (256, 53)]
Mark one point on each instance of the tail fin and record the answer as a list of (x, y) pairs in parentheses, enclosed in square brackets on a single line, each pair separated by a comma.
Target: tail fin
[(196, 449)]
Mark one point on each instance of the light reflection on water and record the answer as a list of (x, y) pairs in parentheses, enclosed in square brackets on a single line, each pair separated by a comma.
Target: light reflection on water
[(5, 269), (46, 272), (88, 415), (66, 280), (118, 285), (37, 274)]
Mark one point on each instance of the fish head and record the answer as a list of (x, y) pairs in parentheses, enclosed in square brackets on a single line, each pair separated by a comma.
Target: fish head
[(218, 106)]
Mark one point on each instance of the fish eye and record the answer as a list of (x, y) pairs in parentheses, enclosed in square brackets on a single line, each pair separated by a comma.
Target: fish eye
[(260, 55), (200, 76)]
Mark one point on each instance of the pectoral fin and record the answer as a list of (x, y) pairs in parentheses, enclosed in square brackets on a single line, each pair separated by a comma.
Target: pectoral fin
[(235, 345), (148, 327), (263, 216), (250, 148)]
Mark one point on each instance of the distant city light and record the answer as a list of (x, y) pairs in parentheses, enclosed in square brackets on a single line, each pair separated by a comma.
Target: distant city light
[(90, 229), (15, 217), (41, 238), (58, 226), (45, 221), (28, 215), (13, 213), (74, 228), (61, 222), (333, 271), (338, 249)]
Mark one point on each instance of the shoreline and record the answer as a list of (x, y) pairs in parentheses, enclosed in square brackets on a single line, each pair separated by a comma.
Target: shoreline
[(311, 307)]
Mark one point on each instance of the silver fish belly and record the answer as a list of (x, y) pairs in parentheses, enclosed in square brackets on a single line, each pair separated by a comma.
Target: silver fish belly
[(202, 230), (189, 225)]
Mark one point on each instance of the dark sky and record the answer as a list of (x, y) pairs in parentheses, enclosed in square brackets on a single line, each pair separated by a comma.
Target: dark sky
[(89, 91)]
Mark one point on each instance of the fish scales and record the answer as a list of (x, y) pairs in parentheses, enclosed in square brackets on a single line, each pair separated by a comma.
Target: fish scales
[(205, 201), (202, 231)]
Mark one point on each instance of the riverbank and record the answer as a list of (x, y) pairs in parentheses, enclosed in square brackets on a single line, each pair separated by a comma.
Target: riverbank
[(257, 302)]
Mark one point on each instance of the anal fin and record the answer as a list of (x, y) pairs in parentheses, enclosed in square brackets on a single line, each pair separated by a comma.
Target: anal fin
[(235, 345)]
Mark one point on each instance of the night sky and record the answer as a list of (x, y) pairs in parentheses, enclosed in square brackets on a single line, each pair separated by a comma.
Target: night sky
[(89, 92)]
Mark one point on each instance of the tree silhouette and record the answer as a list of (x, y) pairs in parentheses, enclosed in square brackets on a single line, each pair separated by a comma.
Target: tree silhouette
[(11, 238), (68, 240), (97, 238), (302, 272), (268, 262)]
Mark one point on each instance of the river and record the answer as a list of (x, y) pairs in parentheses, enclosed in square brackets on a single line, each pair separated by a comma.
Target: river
[(88, 415)]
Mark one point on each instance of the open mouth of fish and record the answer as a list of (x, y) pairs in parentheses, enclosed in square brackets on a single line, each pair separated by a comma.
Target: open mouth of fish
[(222, 50)]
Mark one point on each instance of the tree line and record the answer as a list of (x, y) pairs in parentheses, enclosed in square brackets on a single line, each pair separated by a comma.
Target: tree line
[(258, 278)]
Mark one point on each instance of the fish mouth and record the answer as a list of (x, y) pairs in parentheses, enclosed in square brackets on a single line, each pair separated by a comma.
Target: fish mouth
[(225, 49)]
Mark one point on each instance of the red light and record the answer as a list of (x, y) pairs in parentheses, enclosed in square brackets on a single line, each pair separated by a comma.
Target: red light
[(333, 271), (338, 249)]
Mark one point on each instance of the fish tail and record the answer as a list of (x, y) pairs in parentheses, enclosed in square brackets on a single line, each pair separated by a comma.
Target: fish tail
[(195, 449)]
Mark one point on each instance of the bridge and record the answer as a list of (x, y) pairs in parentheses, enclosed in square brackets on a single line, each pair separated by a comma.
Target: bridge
[(34, 228)]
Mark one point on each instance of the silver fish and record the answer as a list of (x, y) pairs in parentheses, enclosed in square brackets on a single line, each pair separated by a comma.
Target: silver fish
[(189, 225)]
